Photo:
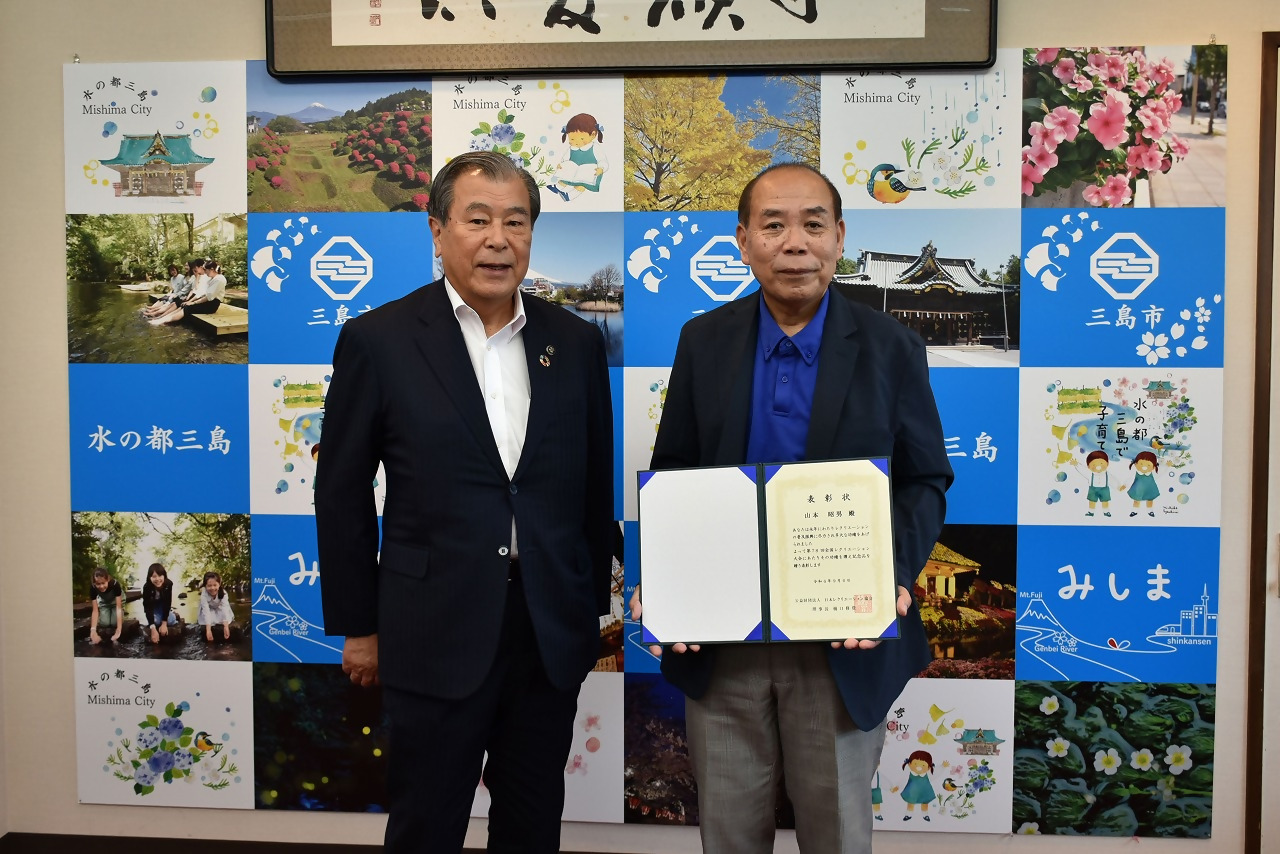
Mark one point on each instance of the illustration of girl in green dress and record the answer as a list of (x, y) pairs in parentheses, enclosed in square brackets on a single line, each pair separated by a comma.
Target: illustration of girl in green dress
[(919, 789), (584, 165), (1144, 486)]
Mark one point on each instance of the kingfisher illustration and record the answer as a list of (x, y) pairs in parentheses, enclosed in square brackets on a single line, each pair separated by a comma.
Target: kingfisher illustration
[(886, 187), (206, 744)]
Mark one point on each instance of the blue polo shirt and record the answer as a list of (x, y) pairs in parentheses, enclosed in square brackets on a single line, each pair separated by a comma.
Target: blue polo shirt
[(786, 373)]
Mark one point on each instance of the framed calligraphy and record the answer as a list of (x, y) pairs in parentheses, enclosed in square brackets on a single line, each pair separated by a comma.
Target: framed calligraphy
[(321, 37)]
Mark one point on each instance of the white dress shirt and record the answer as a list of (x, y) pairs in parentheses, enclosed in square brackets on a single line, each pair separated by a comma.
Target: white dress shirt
[(503, 376)]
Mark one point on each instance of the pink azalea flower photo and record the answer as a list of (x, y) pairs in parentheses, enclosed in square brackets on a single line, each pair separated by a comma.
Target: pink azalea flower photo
[(1099, 120)]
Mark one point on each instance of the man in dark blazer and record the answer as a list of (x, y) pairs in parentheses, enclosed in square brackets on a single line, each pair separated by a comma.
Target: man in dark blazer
[(479, 610), (797, 370)]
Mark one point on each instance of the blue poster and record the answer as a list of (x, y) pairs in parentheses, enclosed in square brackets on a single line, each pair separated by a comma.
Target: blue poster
[(311, 273), (679, 265), (159, 437), (1124, 288), (979, 410), (637, 656), (1117, 605), (288, 623)]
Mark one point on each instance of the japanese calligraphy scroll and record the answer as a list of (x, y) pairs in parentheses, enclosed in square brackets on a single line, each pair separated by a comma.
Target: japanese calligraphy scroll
[(309, 37)]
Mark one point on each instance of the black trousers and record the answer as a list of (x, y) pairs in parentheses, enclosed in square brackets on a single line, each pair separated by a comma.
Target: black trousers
[(437, 747)]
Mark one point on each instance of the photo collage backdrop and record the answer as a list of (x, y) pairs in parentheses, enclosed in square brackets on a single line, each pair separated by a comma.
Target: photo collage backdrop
[(1071, 600)]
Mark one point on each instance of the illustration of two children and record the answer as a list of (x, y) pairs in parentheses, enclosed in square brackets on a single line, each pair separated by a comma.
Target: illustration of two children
[(1143, 488)]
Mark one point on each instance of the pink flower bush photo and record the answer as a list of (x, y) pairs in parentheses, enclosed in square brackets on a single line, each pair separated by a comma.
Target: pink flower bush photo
[(1098, 116)]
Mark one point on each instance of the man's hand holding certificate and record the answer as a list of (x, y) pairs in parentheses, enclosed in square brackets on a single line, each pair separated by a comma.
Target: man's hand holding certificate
[(637, 609)]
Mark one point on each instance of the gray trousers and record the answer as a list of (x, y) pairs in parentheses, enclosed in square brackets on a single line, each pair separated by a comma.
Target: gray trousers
[(774, 709)]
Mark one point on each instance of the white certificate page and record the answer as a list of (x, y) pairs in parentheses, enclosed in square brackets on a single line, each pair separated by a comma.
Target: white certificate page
[(700, 555)]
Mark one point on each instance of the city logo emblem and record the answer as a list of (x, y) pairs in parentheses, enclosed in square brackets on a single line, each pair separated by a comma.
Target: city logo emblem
[(1124, 266), (342, 274), (723, 277)]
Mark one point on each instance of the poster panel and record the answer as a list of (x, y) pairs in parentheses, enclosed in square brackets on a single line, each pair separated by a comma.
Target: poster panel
[(337, 145), (967, 594), (161, 585), (643, 392), (953, 280), (980, 427), (125, 272), (159, 437), (1114, 759), (1118, 605), (677, 267), (593, 771), (923, 139), (1124, 287), (947, 764), (311, 273), (164, 733), (288, 620), (286, 409), (658, 772), (1120, 447), (152, 137), (1080, 541), (565, 131)]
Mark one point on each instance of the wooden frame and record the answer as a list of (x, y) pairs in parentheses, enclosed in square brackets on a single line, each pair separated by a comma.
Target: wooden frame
[(1255, 641), (300, 44)]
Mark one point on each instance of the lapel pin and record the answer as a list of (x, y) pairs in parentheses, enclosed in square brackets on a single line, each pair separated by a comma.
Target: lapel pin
[(544, 361), (551, 351)]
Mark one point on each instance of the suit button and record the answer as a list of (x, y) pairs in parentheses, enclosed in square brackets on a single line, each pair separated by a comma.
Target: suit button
[(513, 489), (503, 550)]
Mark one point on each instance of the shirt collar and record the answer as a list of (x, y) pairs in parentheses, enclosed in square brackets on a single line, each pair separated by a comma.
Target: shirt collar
[(806, 341), (461, 310)]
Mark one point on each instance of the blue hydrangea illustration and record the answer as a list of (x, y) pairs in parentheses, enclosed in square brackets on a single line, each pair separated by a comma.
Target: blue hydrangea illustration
[(501, 137), (165, 750), (503, 133), (161, 761), (144, 776), (171, 728)]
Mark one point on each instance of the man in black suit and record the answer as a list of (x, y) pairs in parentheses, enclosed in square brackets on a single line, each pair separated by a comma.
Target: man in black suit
[(479, 614), (799, 371)]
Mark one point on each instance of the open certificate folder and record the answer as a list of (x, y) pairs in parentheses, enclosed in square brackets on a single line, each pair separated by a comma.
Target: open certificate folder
[(769, 552)]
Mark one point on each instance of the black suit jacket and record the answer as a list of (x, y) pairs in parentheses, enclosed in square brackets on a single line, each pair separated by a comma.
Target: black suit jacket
[(404, 393), (872, 399)]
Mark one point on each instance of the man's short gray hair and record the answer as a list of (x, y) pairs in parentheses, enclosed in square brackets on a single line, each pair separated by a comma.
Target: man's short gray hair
[(495, 167)]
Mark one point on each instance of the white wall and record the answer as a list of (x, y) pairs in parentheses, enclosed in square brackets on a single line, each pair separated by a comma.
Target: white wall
[(37, 768)]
